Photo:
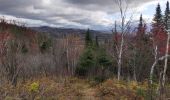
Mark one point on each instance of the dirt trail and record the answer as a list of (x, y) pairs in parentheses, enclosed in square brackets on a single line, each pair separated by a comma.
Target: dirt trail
[(89, 93)]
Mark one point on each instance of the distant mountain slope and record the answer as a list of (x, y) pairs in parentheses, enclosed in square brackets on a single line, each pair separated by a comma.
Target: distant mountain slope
[(60, 32)]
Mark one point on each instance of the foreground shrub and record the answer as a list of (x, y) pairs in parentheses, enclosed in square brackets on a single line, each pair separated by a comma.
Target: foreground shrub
[(34, 87), (114, 90)]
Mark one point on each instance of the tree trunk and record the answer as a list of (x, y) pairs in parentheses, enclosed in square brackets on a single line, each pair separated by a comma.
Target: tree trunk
[(166, 61), (151, 72), (120, 58), (165, 68)]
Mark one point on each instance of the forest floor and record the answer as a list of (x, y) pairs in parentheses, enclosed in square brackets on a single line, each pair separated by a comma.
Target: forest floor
[(73, 89)]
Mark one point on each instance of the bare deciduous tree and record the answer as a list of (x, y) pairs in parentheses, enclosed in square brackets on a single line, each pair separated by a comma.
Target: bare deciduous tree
[(124, 29), (10, 60)]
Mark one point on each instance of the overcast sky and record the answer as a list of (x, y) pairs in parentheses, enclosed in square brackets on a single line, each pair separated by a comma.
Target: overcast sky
[(95, 14)]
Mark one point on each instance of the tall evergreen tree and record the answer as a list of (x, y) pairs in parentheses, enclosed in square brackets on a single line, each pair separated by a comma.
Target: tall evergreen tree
[(139, 50), (88, 38), (87, 59), (92, 59), (159, 31), (141, 21), (104, 62), (141, 28), (158, 15), (167, 12), (97, 42), (86, 63), (115, 27)]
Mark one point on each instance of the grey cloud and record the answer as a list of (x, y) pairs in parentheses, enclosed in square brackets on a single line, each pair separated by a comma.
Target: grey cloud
[(66, 13), (106, 5), (103, 2)]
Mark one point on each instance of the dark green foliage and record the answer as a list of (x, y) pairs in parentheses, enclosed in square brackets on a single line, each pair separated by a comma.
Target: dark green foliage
[(158, 23), (104, 72), (81, 71), (104, 63), (115, 29), (44, 41), (141, 30), (140, 22), (167, 12), (141, 92), (157, 20), (17, 31), (24, 49), (45, 46), (88, 38), (158, 28), (93, 59), (103, 59), (158, 15), (100, 79), (87, 59), (97, 42)]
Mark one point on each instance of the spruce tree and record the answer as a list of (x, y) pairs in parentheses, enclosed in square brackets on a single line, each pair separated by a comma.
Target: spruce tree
[(167, 12), (88, 38), (87, 59), (158, 15), (104, 62), (103, 59), (94, 58), (159, 30), (97, 42), (141, 21), (115, 27), (141, 28), (158, 23)]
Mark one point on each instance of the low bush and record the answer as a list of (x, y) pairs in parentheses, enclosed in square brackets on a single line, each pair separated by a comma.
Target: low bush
[(115, 90)]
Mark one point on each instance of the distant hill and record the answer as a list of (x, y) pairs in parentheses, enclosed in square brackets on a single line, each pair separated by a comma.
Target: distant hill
[(60, 32)]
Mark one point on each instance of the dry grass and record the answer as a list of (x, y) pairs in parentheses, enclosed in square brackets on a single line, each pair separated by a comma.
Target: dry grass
[(70, 89), (114, 90), (45, 89)]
